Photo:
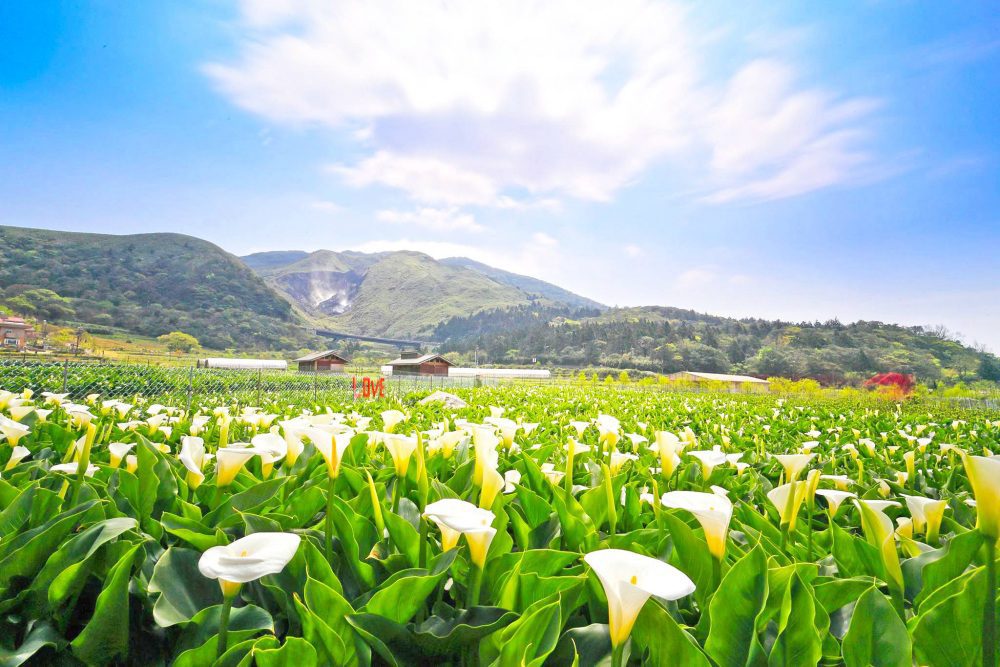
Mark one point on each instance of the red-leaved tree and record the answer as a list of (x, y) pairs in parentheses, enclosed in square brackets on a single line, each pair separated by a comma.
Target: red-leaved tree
[(897, 384)]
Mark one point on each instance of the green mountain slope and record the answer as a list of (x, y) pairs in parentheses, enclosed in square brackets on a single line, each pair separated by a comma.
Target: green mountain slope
[(398, 293), (147, 283), (665, 340), (527, 284)]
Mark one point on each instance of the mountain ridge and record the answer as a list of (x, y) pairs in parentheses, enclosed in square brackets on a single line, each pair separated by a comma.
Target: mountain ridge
[(399, 293), (150, 283)]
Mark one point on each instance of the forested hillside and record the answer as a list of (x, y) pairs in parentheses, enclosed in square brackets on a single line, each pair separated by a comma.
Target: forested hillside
[(149, 284), (665, 340)]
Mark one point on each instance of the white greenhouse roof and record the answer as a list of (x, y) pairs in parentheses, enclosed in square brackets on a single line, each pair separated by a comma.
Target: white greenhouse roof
[(499, 372)]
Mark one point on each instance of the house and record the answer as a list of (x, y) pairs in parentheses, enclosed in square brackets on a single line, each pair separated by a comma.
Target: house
[(322, 362), (730, 382), (15, 332), (411, 362)]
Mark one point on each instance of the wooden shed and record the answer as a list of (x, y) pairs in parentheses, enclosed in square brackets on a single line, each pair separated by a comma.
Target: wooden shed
[(322, 362), (414, 363)]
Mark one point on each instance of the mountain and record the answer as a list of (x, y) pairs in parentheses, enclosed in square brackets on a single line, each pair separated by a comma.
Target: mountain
[(262, 261), (526, 284), (663, 340), (149, 284), (403, 293)]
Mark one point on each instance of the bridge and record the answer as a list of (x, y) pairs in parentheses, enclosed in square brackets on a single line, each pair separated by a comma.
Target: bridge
[(398, 342)]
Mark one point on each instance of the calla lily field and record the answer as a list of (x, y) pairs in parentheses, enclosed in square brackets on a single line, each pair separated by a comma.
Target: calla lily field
[(562, 525)]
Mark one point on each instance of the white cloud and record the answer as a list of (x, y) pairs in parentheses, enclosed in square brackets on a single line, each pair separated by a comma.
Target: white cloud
[(434, 219), (632, 250), (696, 277), (497, 105), (327, 206), (424, 179)]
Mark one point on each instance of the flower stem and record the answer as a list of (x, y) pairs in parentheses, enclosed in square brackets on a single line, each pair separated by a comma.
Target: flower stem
[(990, 607), (396, 489), (475, 584), (809, 525), (617, 654), (328, 530), (422, 555), (227, 605), (716, 572)]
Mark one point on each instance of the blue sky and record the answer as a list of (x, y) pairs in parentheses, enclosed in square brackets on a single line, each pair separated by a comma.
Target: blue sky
[(803, 161)]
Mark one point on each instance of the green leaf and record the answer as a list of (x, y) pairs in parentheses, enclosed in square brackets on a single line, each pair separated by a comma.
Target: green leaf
[(295, 651), (877, 636), (183, 589), (23, 556), (404, 536), (64, 573), (401, 599), (40, 636), (205, 624), (734, 609), (194, 532), (691, 555), (331, 647), (589, 645), (667, 643), (949, 633), (798, 644), (532, 637), (940, 566), (15, 515), (106, 634)]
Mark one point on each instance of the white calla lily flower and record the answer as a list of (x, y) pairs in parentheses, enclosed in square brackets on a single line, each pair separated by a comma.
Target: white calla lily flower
[(713, 511), (629, 580), (248, 559)]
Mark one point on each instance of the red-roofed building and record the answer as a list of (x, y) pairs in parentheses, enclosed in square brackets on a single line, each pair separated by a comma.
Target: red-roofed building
[(14, 333)]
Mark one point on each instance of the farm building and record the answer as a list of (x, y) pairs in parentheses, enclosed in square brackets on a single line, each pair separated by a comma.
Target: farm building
[(322, 362), (411, 362), (15, 333), (733, 382), (243, 364), (500, 373)]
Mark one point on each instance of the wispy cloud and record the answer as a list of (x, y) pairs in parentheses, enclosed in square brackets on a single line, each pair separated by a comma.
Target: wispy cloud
[(462, 105), (433, 219)]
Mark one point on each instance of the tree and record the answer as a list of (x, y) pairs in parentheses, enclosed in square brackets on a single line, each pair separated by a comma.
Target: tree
[(178, 341), (989, 368), (43, 304)]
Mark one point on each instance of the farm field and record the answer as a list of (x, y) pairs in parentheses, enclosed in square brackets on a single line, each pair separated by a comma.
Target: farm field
[(567, 525)]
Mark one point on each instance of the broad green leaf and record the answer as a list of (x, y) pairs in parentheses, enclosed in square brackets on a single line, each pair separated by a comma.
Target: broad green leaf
[(25, 554), (949, 633), (42, 635), (295, 651), (798, 644), (105, 636), (667, 642), (734, 609), (401, 599), (940, 566), (877, 636), (65, 571), (183, 589), (249, 619)]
